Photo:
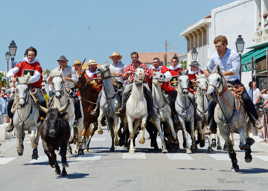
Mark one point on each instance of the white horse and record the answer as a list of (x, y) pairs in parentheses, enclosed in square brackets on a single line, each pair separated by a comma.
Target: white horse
[(26, 114), (201, 100), (161, 104), (185, 110), (230, 116), (60, 99), (136, 109), (109, 103)]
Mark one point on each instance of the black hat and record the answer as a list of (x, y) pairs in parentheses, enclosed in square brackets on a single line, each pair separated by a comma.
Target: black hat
[(63, 58)]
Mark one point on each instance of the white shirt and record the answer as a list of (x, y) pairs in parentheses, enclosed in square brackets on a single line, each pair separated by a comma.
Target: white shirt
[(68, 71), (230, 62), (256, 94), (117, 68)]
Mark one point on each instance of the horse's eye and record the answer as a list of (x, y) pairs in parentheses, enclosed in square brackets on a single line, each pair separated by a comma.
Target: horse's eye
[(218, 80)]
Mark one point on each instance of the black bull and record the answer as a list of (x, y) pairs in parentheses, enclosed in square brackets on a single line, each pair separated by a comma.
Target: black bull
[(55, 134)]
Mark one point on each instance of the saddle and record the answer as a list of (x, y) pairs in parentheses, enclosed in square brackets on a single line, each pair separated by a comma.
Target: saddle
[(237, 91)]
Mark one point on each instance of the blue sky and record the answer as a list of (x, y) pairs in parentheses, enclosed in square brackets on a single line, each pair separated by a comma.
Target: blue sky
[(95, 28)]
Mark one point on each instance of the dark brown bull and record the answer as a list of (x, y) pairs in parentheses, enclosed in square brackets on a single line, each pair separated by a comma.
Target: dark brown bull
[(55, 134)]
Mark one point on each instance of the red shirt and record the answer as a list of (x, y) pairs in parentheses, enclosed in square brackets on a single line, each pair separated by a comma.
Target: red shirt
[(174, 72), (192, 75), (23, 66), (129, 72)]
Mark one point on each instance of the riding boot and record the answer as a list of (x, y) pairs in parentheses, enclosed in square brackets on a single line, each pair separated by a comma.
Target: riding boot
[(125, 96), (149, 100), (78, 113), (212, 124)]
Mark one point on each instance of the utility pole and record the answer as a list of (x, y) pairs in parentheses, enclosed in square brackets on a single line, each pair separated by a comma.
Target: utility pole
[(165, 57)]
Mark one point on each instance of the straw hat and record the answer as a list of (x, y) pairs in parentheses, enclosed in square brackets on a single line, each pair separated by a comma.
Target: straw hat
[(116, 54), (89, 63), (77, 62)]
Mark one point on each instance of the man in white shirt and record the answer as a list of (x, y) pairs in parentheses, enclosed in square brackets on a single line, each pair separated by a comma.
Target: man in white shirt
[(229, 63), (254, 91), (70, 78)]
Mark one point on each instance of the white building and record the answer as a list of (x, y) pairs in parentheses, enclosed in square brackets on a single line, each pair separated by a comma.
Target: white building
[(248, 18)]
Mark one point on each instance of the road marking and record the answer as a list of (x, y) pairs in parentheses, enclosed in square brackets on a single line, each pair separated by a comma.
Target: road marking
[(41, 159), (264, 158), (98, 139), (87, 157), (220, 156), (5, 160), (134, 156), (179, 156)]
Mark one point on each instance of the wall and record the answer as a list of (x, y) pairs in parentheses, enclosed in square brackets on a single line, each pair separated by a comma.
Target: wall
[(231, 20)]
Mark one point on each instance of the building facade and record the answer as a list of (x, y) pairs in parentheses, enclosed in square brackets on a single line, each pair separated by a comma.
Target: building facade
[(248, 18)]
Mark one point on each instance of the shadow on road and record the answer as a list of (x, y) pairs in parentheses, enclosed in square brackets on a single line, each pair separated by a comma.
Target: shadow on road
[(75, 176), (253, 171)]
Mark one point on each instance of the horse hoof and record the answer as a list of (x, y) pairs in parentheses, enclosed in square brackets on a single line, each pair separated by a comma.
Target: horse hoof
[(100, 131), (64, 173), (219, 148), (57, 170), (213, 144), (164, 151), (248, 159), (210, 150), (20, 153), (35, 154), (236, 168), (188, 151), (142, 141), (80, 152), (202, 143), (111, 149)]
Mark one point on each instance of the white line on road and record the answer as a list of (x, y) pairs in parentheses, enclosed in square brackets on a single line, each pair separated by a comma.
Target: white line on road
[(220, 156), (179, 156), (88, 157), (4, 160), (264, 158), (134, 156)]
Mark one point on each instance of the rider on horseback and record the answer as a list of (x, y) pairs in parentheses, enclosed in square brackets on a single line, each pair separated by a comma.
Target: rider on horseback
[(229, 63), (172, 72), (70, 78), (116, 69), (29, 66), (128, 75)]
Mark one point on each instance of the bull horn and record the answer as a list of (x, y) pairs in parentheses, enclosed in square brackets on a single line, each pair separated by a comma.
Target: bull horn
[(63, 108), (44, 109)]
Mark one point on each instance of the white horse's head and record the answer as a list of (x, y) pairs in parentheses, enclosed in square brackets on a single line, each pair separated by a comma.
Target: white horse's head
[(202, 83), (216, 83), (22, 89), (139, 75), (183, 83), (58, 85), (159, 78)]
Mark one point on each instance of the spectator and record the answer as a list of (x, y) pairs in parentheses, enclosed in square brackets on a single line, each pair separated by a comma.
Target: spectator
[(256, 92), (3, 105)]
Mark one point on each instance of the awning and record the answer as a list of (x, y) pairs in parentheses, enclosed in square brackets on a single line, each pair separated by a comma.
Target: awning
[(255, 54), (258, 52)]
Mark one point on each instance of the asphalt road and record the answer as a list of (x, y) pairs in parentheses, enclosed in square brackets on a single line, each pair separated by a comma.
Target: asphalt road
[(145, 170)]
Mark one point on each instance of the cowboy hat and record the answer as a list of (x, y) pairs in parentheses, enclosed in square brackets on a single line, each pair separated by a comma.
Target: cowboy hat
[(92, 62), (116, 54), (62, 58), (77, 62)]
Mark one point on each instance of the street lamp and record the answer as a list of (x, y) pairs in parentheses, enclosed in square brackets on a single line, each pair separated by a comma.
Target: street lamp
[(12, 50), (240, 45), (194, 54), (7, 55)]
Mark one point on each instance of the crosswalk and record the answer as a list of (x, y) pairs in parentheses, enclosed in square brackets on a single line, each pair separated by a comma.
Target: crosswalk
[(137, 156)]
